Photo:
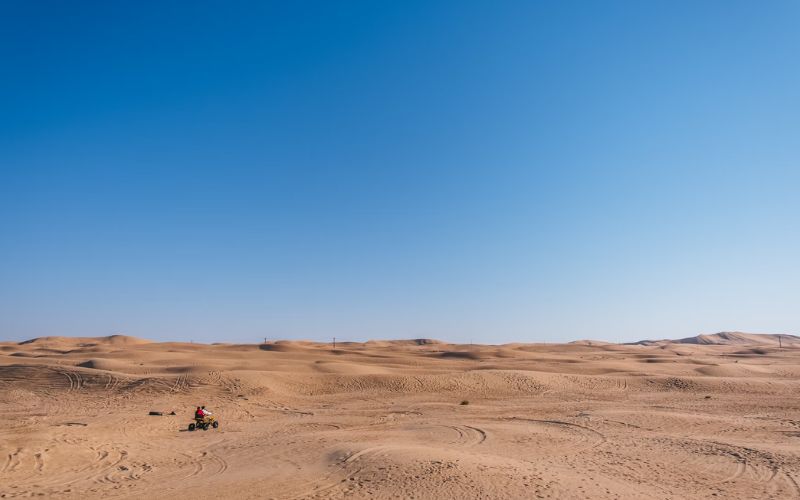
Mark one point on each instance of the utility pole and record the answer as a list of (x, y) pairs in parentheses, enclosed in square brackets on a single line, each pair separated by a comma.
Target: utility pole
[(780, 344), (334, 343), (265, 340)]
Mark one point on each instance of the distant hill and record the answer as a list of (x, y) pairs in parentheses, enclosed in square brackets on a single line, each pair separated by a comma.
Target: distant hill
[(590, 342), (115, 340), (731, 338)]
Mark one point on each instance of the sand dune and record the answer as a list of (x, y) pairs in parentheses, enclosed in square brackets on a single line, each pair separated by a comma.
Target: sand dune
[(711, 416), (733, 338), (77, 342), (590, 342)]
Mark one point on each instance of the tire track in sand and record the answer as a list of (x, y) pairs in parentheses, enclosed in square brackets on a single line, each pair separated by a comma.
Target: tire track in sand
[(12, 461), (593, 437), (762, 467), (468, 436), (328, 482), (200, 462)]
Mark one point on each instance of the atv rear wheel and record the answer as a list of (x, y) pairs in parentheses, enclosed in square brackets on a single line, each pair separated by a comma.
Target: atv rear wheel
[(191, 427)]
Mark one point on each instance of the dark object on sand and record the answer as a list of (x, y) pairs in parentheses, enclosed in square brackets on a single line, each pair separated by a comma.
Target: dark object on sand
[(465, 402), (156, 413)]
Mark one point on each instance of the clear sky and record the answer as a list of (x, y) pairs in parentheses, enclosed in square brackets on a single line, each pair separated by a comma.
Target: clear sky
[(485, 171)]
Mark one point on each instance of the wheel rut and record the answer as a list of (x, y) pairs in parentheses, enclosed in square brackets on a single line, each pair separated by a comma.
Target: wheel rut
[(594, 437)]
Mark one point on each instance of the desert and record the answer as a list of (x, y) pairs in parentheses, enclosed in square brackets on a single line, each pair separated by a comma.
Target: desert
[(435, 250), (713, 416)]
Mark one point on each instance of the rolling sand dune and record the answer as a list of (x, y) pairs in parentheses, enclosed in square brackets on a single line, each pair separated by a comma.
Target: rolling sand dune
[(711, 416), (733, 338)]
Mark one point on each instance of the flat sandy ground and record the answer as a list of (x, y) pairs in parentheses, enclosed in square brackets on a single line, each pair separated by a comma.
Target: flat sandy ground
[(385, 420)]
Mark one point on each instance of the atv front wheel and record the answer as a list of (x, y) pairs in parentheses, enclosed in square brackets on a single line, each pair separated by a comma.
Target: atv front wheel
[(205, 427), (215, 424)]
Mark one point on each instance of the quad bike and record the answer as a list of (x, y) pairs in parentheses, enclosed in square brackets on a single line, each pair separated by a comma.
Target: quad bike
[(204, 423)]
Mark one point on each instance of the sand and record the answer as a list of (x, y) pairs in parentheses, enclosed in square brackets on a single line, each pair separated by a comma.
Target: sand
[(713, 417)]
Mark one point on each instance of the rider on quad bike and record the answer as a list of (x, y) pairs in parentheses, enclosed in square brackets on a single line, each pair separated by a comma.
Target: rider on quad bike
[(203, 419)]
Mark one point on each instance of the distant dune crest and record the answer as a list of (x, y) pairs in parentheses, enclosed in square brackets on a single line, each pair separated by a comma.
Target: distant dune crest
[(108, 340), (732, 338), (590, 342)]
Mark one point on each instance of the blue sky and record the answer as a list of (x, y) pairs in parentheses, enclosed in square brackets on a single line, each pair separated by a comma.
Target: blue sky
[(484, 171)]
